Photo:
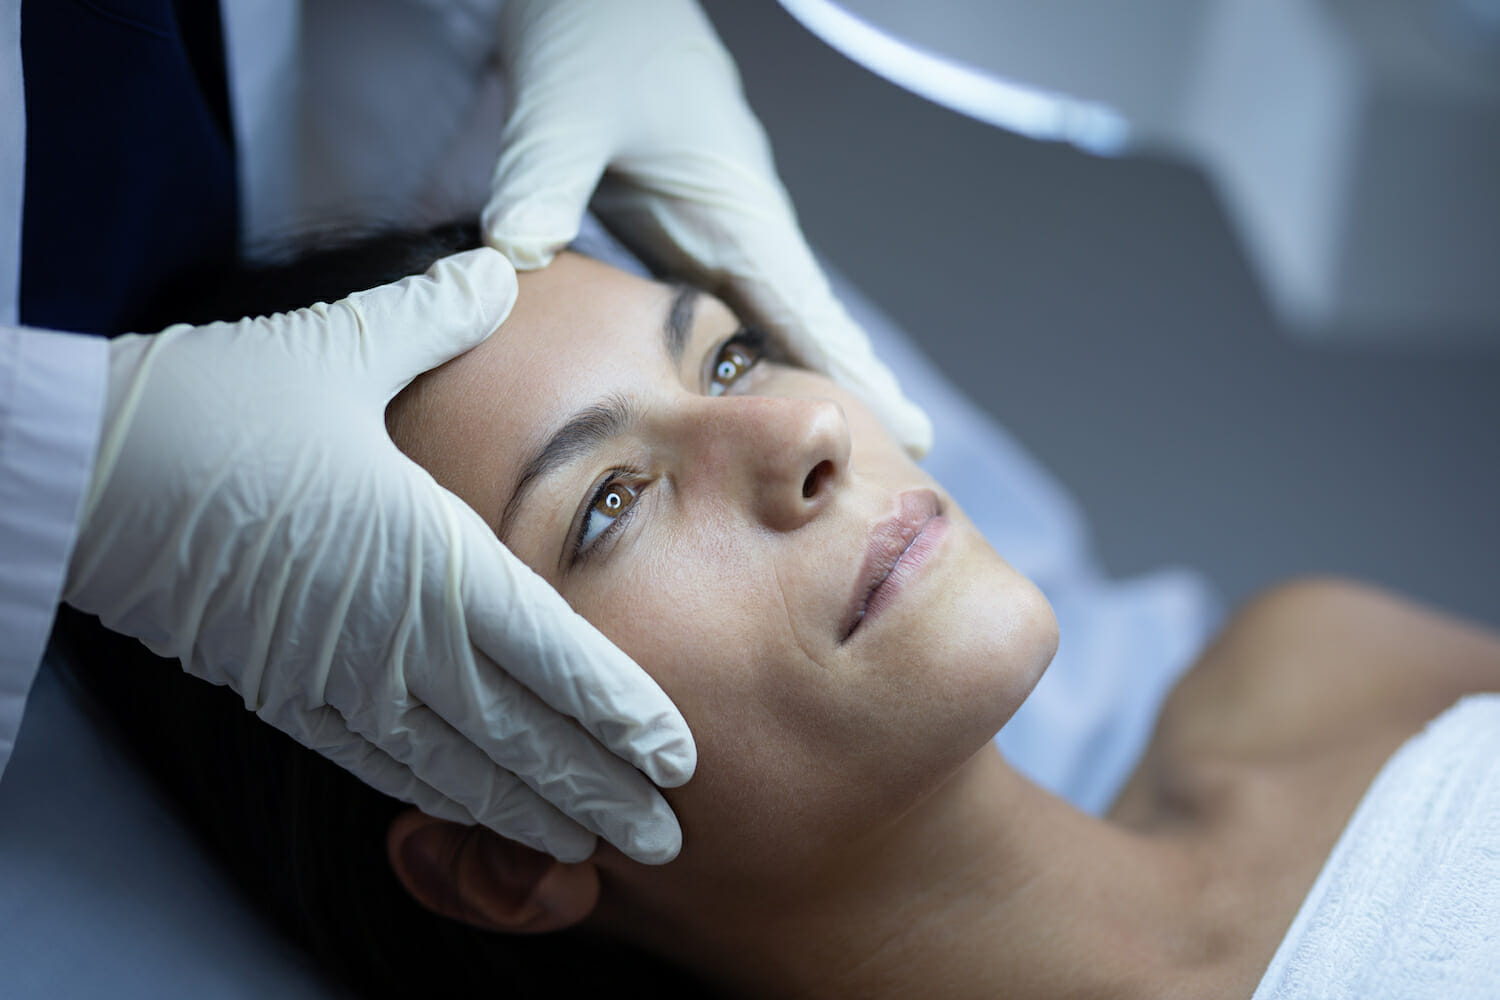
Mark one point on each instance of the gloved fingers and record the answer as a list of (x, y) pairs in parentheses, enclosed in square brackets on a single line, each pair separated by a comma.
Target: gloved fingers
[(508, 751), (480, 792), (403, 329), (380, 770), (565, 710), (516, 619)]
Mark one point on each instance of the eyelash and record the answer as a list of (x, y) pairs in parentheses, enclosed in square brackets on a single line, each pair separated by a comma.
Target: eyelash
[(752, 347)]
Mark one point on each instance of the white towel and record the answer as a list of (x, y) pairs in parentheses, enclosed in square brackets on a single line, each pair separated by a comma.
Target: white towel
[(1408, 904)]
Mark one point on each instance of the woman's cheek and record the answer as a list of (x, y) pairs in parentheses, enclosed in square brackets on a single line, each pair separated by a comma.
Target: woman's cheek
[(664, 604)]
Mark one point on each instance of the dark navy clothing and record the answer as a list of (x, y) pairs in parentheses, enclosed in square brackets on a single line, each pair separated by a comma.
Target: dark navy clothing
[(130, 168)]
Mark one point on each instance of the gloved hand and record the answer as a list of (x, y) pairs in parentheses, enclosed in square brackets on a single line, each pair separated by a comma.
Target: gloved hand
[(645, 91), (249, 515)]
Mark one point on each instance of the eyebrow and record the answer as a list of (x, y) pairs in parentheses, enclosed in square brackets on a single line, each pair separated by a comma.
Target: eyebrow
[(597, 423), (679, 322)]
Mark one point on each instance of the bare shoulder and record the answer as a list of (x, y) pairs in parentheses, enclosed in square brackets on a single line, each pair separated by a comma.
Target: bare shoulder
[(1265, 748), (1319, 660)]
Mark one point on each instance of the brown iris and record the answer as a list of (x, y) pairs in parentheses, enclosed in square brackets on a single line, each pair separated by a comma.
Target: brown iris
[(733, 362), (615, 500)]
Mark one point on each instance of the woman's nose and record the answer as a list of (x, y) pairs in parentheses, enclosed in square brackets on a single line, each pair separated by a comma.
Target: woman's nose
[(783, 458)]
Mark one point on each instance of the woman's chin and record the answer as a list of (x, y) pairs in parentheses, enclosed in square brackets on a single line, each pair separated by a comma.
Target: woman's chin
[(1002, 637)]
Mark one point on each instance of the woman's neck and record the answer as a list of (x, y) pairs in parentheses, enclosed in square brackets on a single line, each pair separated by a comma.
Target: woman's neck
[(990, 885)]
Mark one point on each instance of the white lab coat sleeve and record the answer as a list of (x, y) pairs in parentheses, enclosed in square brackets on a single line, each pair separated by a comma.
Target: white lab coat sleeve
[(52, 393)]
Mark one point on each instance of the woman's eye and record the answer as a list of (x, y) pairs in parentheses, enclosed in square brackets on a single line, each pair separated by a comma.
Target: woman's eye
[(609, 504), (737, 356)]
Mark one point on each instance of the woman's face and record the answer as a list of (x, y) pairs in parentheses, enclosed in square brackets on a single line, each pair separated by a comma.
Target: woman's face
[(723, 520)]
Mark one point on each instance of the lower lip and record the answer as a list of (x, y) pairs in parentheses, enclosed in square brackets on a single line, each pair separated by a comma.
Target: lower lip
[(907, 568)]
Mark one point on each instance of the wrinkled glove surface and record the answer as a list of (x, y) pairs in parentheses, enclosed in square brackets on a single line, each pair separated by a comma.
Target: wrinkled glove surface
[(644, 96), (250, 516)]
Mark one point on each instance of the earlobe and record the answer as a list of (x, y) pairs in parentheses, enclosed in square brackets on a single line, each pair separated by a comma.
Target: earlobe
[(477, 877)]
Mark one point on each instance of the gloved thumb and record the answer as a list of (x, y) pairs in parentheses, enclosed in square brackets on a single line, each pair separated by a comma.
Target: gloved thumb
[(539, 193), (403, 329)]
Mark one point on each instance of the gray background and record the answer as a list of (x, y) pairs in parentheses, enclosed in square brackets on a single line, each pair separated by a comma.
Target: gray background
[(1104, 313)]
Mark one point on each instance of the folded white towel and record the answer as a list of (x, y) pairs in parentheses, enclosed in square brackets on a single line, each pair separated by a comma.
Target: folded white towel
[(1408, 904)]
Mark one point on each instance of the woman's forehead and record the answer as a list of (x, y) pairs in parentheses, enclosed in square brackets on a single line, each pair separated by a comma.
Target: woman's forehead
[(580, 332)]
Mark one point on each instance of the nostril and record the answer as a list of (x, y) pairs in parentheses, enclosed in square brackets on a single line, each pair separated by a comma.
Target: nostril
[(815, 479)]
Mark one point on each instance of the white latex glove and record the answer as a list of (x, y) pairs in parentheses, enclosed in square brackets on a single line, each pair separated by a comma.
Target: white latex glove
[(250, 516), (645, 91)]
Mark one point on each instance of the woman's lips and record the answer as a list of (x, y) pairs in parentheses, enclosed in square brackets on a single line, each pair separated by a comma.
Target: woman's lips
[(897, 550)]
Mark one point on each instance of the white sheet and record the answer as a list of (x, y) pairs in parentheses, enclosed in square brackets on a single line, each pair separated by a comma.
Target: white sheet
[(1408, 904)]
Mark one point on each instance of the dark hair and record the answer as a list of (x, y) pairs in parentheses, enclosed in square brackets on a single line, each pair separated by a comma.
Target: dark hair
[(304, 839)]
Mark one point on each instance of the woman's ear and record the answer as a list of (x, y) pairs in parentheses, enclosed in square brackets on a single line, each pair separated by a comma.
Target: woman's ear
[(472, 875)]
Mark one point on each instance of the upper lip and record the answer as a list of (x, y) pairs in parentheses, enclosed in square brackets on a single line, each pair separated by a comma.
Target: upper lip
[(888, 541)]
